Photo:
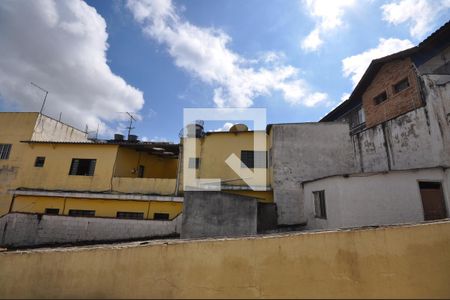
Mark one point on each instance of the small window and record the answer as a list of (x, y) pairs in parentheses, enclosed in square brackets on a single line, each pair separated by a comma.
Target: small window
[(81, 213), (130, 215), (194, 163), (83, 167), (401, 85), (380, 98), (253, 159), (52, 211), (39, 162), (161, 216), (5, 149), (141, 171), (320, 210)]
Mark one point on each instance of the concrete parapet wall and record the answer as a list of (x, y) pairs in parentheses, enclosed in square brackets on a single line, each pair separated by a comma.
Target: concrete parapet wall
[(25, 230), (208, 214), (390, 262)]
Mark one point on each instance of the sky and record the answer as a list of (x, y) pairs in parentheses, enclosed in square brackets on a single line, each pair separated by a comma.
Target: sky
[(152, 58)]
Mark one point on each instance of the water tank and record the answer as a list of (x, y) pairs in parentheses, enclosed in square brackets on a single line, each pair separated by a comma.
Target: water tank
[(194, 130), (238, 128), (132, 138), (118, 137)]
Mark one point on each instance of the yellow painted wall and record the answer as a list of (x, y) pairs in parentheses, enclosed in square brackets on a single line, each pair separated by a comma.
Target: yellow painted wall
[(392, 262), (103, 208), (154, 166), (214, 149), (15, 127), (160, 186), (58, 158)]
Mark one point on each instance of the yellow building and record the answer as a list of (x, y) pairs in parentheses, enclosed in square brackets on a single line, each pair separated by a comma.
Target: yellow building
[(208, 161), (78, 177)]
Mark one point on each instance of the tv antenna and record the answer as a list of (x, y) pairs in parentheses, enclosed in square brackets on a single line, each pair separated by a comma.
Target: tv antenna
[(45, 97), (131, 123)]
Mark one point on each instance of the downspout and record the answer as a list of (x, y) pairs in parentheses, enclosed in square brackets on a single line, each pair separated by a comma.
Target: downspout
[(180, 158)]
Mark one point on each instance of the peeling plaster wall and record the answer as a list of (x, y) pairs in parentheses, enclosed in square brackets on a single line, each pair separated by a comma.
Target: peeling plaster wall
[(19, 230), (372, 199), (418, 139), (302, 152)]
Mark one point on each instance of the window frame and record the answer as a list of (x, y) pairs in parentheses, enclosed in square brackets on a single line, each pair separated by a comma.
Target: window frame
[(130, 215), (319, 203), (51, 211), (160, 216), (36, 165), (5, 151), (194, 163), (378, 102), (74, 167), (76, 213), (394, 86), (252, 159)]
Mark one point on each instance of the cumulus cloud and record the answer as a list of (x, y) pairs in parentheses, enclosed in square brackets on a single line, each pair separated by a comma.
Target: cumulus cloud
[(328, 15), (420, 15), (205, 54), (61, 45), (355, 66), (226, 127)]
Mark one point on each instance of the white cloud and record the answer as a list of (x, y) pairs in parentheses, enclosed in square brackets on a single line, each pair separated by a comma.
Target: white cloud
[(420, 15), (226, 127), (328, 16), (355, 66), (205, 54), (61, 45)]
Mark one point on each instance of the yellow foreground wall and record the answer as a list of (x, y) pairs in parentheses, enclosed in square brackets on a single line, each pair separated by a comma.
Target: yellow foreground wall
[(403, 261)]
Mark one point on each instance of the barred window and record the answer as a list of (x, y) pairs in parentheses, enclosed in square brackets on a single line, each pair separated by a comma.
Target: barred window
[(253, 159), (5, 149), (130, 215), (52, 211), (319, 205), (83, 167), (81, 213)]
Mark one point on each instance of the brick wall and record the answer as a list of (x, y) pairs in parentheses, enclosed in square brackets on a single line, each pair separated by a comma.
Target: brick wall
[(396, 103)]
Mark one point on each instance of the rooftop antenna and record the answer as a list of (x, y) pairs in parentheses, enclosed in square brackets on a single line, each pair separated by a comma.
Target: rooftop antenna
[(131, 123), (45, 97)]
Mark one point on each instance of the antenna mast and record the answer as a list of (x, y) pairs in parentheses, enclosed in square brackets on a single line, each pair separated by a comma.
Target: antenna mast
[(131, 123), (45, 97)]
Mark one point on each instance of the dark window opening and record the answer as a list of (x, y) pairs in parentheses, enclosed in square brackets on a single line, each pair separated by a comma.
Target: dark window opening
[(194, 163), (160, 216), (39, 162), (253, 159), (432, 200), (5, 149), (380, 98), (141, 171), (83, 167), (357, 117), (81, 213), (320, 210), (52, 211), (130, 215), (401, 85)]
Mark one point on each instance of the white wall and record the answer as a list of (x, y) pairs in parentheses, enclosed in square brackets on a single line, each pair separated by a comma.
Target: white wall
[(48, 129), (372, 199)]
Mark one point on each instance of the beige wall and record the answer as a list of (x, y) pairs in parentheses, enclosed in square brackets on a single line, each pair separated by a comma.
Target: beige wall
[(393, 262)]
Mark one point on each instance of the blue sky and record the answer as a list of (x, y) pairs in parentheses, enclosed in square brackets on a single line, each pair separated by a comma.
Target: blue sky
[(296, 58)]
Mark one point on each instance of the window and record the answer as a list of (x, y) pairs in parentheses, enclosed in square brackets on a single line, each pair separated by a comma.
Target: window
[(253, 159), (4, 151), (130, 215), (380, 98), (194, 163), (39, 162), (141, 171), (161, 216), (52, 211), (83, 167), (433, 201), (357, 117), (320, 210), (401, 85), (81, 213)]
